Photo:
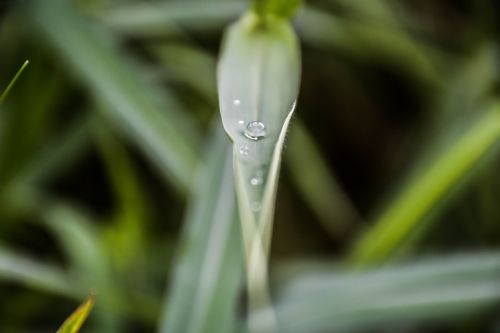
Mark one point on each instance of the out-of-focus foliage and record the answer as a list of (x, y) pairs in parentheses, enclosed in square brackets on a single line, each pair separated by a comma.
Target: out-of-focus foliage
[(113, 178)]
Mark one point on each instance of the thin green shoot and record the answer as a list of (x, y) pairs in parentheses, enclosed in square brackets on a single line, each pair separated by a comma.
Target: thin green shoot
[(13, 82), (417, 201), (75, 321)]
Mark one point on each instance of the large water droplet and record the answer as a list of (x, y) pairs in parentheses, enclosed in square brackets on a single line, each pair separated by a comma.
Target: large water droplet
[(255, 130), (244, 150)]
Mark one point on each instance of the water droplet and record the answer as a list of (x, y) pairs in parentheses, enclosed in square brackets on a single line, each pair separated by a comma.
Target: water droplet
[(244, 150), (256, 206), (236, 102), (241, 122), (257, 180), (255, 130)]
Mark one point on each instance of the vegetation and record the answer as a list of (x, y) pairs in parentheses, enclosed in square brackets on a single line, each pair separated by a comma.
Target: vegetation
[(140, 158)]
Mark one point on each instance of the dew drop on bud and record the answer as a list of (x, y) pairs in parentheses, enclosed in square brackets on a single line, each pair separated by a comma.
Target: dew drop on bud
[(255, 130)]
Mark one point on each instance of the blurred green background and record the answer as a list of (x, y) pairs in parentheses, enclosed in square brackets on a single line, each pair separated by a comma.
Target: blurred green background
[(111, 156)]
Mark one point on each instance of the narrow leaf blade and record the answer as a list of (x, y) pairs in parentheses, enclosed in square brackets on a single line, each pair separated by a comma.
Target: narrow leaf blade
[(42, 276), (207, 277), (444, 290), (13, 82), (75, 321), (148, 118), (432, 187)]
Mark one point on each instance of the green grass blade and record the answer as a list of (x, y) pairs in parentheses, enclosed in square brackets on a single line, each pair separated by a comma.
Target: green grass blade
[(317, 185), (32, 273), (258, 79), (12, 82), (75, 321), (126, 239), (367, 42), (207, 278), (80, 241), (153, 122), (316, 28), (378, 11), (190, 65), (88, 258), (438, 290), (160, 18), (89, 262), (429, 189)]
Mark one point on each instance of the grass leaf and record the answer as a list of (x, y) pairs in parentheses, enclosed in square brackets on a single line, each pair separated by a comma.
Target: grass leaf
[(42, 276), (159, 19), (80, 240), (75, 321), (434, 184), (165, 135), (258, 79), (207, 277), (13, 81), (438, 290)]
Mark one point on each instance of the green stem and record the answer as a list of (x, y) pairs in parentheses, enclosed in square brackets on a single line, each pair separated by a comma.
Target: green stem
[(13, 81)]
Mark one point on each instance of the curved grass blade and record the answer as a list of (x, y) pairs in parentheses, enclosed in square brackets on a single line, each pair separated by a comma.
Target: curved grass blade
[(80, 240), (363, 41), (42, 276), (316, 28), (433, 186), (258, 79), (148, 118), (13, 81), (89, 261), (159, 18), (90, 267), (78, 317), (444, 290), (207, 277)]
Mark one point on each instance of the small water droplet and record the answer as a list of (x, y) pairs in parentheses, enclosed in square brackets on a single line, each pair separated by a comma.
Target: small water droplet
[(256, 206), (236, 102), (257, 180), (241, 122), (244, 150), (255, 130)]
